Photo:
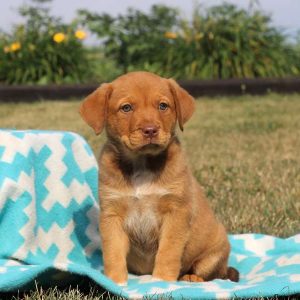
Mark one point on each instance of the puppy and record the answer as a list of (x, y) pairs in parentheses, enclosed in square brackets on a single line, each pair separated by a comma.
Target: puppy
[(154, 216)]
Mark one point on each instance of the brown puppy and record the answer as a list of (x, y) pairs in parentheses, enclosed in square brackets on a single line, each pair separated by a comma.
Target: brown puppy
[(154, 216)]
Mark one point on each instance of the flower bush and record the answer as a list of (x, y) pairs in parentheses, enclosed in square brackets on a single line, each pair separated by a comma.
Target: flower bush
[(219, 42), (222, 41), (43, 50)]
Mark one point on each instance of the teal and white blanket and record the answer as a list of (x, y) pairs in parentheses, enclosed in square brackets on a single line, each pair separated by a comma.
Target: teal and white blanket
[(49, 228)]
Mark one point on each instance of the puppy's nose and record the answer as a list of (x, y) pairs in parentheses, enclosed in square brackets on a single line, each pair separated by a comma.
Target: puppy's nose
[(150, 131)]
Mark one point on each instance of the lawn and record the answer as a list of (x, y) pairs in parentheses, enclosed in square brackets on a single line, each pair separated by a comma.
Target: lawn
[(245, 151)]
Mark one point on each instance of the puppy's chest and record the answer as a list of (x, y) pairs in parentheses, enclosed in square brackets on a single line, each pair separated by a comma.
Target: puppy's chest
[(142, 226), (142, 221)]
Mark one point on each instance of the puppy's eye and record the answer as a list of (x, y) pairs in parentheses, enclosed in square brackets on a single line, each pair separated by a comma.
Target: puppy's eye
[(126, 108), (163, 106)]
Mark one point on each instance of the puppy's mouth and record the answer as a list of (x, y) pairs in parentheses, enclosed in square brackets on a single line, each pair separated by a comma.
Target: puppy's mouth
[(151, 141), (145, 145), (151, 145)]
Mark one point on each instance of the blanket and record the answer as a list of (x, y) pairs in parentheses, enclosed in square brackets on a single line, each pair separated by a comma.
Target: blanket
[(49, 228)]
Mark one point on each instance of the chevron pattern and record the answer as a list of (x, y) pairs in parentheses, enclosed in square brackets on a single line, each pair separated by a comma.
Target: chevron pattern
[(48, 199), (49, 223)]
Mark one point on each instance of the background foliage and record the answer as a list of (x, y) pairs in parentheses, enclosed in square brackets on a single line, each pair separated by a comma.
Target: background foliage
[(222, 41), (219, 42), (42, 50)]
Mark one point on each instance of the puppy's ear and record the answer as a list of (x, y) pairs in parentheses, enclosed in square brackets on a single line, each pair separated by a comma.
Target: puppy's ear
[(93, 109), (184, 103)]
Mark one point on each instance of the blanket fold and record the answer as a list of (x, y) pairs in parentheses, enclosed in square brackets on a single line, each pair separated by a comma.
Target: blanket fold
[(49, 228)]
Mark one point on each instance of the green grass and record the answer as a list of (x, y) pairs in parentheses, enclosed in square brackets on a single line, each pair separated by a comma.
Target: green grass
[(245, 151)]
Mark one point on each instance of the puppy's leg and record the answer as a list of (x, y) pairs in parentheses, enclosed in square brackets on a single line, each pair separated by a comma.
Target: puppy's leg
[(212, 268), (214, 264), (115, 246), (173, 238), (207, 268)]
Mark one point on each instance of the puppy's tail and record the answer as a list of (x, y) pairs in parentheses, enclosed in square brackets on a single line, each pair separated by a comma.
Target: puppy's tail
[(233, 274)]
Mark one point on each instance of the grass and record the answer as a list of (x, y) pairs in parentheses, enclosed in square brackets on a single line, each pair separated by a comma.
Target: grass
[(243, 150)]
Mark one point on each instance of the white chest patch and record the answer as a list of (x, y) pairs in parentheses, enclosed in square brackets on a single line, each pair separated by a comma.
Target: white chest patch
[(141, 225), (142, 222)]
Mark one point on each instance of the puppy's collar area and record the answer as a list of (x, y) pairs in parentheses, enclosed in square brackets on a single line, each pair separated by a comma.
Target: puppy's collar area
[(129, 162), (141, 163), (138, 192)]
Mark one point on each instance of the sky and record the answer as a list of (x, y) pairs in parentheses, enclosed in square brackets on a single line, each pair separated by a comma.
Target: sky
[(285, 13)]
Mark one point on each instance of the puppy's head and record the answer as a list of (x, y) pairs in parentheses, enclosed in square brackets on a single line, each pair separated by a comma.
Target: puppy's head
[(139, 110)]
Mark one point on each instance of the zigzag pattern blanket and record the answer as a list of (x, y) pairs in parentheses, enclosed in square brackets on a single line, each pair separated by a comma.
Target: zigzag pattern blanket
[(49, 228)]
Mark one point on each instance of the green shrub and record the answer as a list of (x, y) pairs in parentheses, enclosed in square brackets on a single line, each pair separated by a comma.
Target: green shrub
[(42, 50), (220, 42), (103, 68), (135, 40), (225, 41)]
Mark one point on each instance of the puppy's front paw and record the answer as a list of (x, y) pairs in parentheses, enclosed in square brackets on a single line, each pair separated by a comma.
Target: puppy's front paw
[(118, 277), (191, 278), (166, 270), (157, 275)]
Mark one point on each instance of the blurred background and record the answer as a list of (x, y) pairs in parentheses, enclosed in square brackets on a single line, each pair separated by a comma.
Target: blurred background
[(45, 42)]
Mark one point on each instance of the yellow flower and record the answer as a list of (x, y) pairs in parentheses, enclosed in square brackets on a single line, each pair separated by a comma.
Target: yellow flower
[(15, 46), (211, 36), (6, 49), (59, 37), (80, 34), (170, 35)]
